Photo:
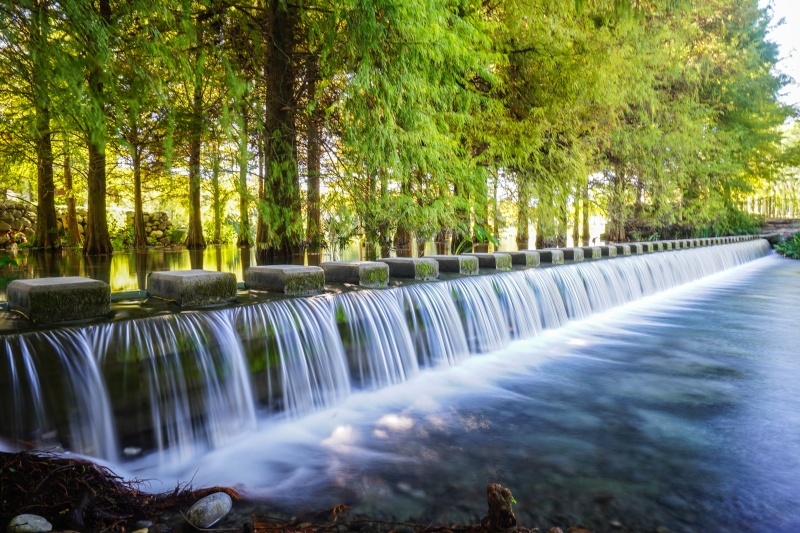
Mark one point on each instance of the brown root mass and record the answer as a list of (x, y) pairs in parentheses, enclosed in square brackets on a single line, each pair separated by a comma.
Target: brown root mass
[(80, 495)]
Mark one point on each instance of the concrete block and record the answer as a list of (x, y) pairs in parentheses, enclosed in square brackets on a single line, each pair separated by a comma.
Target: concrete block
[(648, 247), (608, 250), (591, 252), (460, 264), (192, 288), (423, 268), (525, 258), (636, 248), (658, 246), (623, 249), (573, 254), (554, 256), (363, 273), (496, 260), (48, 300), (293, 280)]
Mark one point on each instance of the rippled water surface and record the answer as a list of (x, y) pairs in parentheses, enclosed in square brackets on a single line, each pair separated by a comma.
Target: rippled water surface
[(679, 411)]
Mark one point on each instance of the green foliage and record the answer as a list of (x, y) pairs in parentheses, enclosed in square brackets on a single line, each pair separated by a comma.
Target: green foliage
[(790, 247), (121, 235)]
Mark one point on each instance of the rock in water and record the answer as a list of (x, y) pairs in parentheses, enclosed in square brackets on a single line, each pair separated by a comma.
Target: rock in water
[(29, 523), (210, 510), (501, 516)]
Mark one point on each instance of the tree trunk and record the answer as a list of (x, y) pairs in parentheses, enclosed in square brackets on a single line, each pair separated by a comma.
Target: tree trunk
[(215, 191), (46, 230), (97, 240), (282, 215), (586, 212), (244, 216), (139, 237), (261, 229), (314, 224), (523, 203), (72, 216), (576, 216), (194, 234)]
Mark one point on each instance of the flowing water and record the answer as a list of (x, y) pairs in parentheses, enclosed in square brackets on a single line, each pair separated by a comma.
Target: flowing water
[(599, 394)]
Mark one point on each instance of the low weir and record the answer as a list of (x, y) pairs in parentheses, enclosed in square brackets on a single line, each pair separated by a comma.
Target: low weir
[(177, 385)]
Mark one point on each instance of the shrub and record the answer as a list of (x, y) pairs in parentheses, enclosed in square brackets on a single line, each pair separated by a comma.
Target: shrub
[(790, 247)]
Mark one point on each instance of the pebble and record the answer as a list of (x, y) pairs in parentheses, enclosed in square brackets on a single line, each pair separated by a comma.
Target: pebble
[(143, 530), (209, 510), (662, 529), (141, 524), (29, 523), (616, 524)]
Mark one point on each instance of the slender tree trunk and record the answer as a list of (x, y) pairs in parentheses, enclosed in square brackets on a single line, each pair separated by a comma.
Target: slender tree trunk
[(139, 237), (194, 235), (46, 226), (282, 210), (314, 224), (576, 216), (585, 198), (523, 211), (72, 216), (97, 240), (215, 191), (261, 229), (244, 216)]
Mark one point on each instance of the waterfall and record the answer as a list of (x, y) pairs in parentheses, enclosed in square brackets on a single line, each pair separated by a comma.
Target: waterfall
[(177, 385)]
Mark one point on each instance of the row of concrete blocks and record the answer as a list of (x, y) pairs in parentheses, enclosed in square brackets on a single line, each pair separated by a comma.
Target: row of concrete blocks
[(49, 300)]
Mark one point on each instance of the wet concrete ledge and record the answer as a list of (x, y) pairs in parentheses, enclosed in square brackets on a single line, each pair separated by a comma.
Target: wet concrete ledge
[(335, 277)]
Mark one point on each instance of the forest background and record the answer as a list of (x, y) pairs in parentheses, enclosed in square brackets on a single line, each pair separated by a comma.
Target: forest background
[(299, 125)]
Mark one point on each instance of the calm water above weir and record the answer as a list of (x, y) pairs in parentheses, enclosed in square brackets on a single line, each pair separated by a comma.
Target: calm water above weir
[(678, 408)]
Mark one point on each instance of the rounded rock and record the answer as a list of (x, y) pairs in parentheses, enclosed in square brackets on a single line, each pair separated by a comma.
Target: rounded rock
[(209, 510), (29, 523)]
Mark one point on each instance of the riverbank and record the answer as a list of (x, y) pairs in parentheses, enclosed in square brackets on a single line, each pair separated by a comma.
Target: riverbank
[(48, 492)]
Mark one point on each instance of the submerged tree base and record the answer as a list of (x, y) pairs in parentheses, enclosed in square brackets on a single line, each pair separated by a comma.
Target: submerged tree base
[(79, 495)]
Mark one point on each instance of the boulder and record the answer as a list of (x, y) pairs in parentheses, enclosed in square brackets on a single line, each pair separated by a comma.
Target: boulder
[(30, 235), (192, 288), (29, 523), (48, 300), (6, 216), (5, 227), (26, 223), (157, 234), (209, 510), (293, 280)]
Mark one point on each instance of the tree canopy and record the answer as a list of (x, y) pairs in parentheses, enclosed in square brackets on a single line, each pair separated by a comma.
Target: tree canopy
[(297, 125)]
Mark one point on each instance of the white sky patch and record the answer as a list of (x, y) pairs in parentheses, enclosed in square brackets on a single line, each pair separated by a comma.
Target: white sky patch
[(787, 37)]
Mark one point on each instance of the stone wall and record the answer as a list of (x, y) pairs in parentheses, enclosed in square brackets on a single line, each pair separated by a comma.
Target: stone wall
[(156, 225), (80, 215), (17, 222)]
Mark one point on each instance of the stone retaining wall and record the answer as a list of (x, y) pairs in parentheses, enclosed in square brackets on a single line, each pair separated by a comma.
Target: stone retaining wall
[(17, 222), (156, 225), (80, 215)]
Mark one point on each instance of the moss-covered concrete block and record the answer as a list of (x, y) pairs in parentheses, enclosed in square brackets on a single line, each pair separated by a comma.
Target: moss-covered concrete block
[(623, 249), (294, 280), (648, 247), (460, 264), (554, 256), (525, 258), (636, 248), (192, 288), (422, 268), (48, 300), (591, 252), (496, 260), (608, 250), (362, 273)]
